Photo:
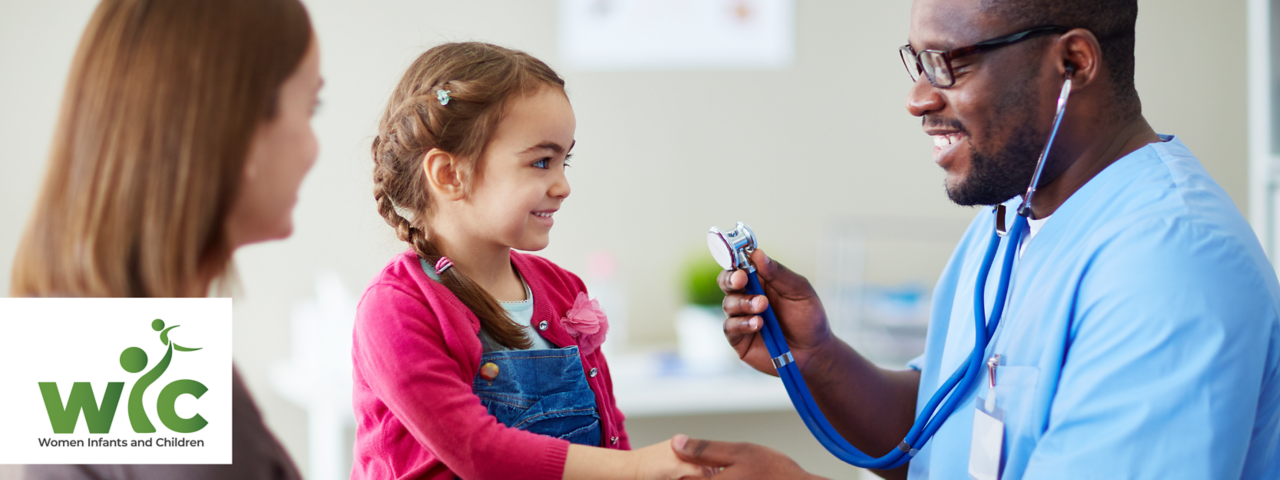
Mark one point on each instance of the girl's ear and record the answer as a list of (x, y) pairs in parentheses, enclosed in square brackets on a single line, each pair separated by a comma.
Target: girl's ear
[(443, 177)]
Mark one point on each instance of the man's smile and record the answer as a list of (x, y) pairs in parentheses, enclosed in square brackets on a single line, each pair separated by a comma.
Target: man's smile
[(945, 141)]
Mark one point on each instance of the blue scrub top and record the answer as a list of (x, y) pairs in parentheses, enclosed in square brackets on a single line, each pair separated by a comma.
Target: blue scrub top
[(1141, 337)]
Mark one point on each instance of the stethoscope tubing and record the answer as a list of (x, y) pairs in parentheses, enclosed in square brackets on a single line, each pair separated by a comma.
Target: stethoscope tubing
[(798, 391), (932, 416)]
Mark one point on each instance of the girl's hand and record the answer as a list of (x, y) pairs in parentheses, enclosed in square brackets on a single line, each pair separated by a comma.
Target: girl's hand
[(654, 462), (659, 462)]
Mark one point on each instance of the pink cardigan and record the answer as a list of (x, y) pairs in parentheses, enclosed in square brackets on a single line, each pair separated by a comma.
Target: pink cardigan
[(417, 350)]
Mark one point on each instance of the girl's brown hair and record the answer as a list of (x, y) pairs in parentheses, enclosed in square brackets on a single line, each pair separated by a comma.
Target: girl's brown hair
[(160, 108), (481, 79)]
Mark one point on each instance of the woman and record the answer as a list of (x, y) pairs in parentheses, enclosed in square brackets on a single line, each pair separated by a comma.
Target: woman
[(184, 134)]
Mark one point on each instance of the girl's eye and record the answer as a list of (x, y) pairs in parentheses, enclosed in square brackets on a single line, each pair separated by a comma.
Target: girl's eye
[(566, 160), (541, 163)]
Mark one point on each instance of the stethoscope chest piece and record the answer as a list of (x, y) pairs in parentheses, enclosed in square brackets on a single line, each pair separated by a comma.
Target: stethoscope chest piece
[(732, 249)]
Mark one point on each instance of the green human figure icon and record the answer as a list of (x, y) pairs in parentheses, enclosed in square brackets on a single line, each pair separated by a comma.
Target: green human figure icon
[(134, 360), (158, 325)]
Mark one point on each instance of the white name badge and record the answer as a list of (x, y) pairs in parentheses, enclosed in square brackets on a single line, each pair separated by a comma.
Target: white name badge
[(988, 441)]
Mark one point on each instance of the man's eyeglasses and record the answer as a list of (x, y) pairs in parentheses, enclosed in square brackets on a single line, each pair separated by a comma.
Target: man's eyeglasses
[(936, 64)]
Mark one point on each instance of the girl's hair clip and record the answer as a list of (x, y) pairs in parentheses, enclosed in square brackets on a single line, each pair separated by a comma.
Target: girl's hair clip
[(443, 263), (443, 96)]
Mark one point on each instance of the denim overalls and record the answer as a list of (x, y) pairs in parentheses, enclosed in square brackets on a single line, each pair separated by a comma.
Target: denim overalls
[(540, 390)]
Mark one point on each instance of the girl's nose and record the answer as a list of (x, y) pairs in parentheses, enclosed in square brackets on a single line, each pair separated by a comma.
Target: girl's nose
[(560, 189)]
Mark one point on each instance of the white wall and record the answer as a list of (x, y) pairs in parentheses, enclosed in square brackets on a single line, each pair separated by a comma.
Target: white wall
[(661, 155)]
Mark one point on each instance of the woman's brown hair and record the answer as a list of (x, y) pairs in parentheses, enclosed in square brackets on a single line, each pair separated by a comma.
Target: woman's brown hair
[(160, 108), (481, 81)]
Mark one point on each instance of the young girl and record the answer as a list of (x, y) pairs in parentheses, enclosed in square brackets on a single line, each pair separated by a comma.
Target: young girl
[(473, 360)]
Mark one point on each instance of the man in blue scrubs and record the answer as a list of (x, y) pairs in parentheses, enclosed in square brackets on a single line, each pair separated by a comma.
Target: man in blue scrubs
[(1141, 337)]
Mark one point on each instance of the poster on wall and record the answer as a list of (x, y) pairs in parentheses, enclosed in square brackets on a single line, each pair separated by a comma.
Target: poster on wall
[(619, 35)]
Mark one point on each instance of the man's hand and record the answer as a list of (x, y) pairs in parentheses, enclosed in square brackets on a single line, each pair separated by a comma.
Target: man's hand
[(732, 461), (799, 312)]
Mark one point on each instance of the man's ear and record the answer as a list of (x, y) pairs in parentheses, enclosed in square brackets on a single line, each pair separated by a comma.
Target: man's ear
[(444, 179), (1079, 50)]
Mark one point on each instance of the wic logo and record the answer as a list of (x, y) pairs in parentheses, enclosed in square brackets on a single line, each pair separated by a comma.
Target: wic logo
[(108, 366), (99, 416)]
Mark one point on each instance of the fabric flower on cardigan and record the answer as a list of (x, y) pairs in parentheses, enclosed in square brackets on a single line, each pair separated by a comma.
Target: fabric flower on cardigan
[(587, 323)]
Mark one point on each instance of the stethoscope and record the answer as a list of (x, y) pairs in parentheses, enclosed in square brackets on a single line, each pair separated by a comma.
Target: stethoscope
[(732, 251)]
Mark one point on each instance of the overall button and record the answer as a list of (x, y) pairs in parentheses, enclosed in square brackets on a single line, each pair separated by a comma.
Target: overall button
[(489, 371), (542, 325), (593, 373)]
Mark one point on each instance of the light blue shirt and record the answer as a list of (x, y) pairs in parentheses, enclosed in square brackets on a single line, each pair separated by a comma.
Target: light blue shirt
[(1141, 337), (520, 312)]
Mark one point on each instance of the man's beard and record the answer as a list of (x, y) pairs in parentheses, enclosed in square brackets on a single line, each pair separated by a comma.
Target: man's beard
[(996, 176)]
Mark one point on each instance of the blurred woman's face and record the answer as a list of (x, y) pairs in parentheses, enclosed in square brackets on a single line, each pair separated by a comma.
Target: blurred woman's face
[(283, 150)]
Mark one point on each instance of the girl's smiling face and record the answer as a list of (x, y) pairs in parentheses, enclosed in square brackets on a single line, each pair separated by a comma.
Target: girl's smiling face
[(523, 182)]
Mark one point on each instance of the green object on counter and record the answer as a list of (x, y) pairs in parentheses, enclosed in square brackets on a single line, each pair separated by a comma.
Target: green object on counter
[(700, 286)]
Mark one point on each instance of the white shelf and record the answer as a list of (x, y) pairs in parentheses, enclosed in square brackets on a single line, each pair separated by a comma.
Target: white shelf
[(687, 395), (643, 390)]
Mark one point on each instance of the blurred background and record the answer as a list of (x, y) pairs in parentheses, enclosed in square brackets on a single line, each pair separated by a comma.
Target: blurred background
[(784, 114)]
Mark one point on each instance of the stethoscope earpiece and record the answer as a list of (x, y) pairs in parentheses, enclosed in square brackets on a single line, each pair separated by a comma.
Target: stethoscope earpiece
[(1025, 208)]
